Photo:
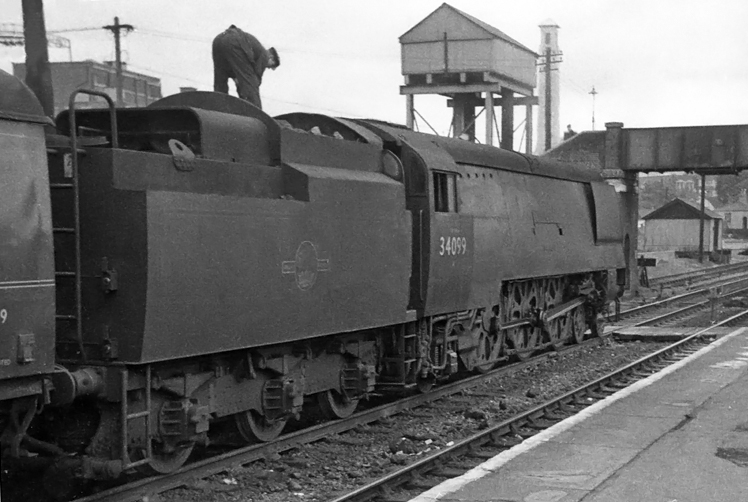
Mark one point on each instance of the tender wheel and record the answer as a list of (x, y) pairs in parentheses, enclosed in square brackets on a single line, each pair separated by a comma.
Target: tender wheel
[(166, 459), (578, 324), (168, 453), (424, 385), (335, 405), (255, 428)]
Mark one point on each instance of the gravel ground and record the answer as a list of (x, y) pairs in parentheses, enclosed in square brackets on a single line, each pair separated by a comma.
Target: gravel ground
[(331, 467)]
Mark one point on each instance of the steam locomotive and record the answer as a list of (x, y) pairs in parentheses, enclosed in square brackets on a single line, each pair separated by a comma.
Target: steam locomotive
[(194, 261)]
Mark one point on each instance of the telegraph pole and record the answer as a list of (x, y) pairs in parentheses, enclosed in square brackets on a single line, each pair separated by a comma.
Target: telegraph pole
[(547, 67), (594, 93), (115, 29)]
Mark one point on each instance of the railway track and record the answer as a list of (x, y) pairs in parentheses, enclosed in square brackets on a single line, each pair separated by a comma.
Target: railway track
[(458, 458), (694, 277), (138, 490), (723, 289), (672, 317), (142, 488)]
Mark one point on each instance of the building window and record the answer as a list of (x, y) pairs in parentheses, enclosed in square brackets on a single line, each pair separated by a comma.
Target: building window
[(745, 222), (100, 79), (548, 38), (154, 91), (128, 97), (728, 218), (445, 192)]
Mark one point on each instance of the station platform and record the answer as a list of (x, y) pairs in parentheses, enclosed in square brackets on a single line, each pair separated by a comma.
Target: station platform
[(680, 435)]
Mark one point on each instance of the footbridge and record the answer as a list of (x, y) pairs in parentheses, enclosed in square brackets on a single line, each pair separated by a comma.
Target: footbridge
[(621, 154)]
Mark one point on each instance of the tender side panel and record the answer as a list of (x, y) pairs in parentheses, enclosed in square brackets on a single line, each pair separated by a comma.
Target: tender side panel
[(113, 235), (233, 272), (27, 300)]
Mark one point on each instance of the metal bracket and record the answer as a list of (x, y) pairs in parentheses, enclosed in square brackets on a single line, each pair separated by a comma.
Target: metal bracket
[(182, 156), (282, 398), (109, 282), (26, 343)]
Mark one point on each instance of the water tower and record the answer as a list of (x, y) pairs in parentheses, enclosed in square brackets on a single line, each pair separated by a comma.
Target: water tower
[(453, 54)]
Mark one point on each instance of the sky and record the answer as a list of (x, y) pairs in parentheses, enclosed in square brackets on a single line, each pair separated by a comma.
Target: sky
[(654, 63)]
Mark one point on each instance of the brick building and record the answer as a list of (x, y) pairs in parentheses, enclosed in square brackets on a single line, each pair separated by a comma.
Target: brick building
[(137, 89)]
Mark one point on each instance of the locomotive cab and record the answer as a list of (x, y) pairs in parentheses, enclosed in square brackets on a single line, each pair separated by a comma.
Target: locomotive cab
[(27, 295)]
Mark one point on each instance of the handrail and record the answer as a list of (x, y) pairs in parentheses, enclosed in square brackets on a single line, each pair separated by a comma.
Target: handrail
[(76, 202)]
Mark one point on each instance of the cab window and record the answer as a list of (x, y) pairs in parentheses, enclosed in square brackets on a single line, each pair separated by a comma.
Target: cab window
[(445, 192)]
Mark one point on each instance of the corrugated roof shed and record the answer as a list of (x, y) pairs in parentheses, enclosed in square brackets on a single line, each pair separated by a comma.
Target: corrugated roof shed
[(679, 209)]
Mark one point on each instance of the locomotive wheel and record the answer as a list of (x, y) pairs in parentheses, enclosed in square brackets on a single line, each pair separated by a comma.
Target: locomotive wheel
[(578, 324), (559, 332), (255, 428), (524, 341), (334, 405), (165, 459), (485, 352)]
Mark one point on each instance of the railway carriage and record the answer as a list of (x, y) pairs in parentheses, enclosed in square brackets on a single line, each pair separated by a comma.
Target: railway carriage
[(214, 264)]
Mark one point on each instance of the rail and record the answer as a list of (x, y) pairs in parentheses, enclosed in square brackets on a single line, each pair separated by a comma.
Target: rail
[(715, 272), (137, 490), (549, 413)]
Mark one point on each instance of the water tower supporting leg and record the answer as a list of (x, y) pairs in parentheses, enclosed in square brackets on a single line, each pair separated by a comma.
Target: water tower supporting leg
[(507, 119), (489, 117), (463, 116), (409, 110)]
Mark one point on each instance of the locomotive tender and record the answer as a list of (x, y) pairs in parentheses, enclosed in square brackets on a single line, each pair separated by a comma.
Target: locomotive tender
[(195, 261)]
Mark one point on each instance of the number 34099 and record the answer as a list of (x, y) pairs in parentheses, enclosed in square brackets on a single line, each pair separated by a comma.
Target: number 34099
[(451, 246)]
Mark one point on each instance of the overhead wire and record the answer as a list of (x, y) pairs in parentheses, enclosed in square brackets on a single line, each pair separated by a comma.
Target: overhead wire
[(264, 96), (165, 73), (71, 30), (174, 36), (575, 87), (288, 50), (191, 38)]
